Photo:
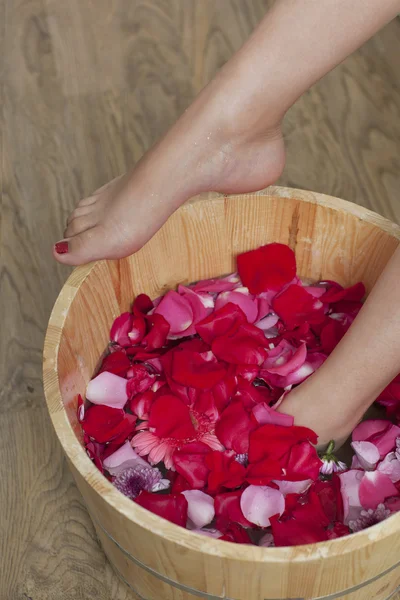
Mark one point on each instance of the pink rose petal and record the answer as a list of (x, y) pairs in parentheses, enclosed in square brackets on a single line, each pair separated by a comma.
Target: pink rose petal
[(177, 311), (350, 482), (215, 286), (293, 487), (123, 458), (107, 389), (382, 434), (268, 322), (367, 454), (244, 300), (287, 364), (390, 466), (200, 507), (264, 414), (375, 487), (259, 503)]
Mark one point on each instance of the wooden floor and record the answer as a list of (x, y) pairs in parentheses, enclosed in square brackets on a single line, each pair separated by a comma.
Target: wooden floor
[(89, 85)]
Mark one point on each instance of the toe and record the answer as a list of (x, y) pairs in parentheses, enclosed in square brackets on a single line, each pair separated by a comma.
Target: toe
[(80, 224), (82, 248), (79, 212), (87, 202)]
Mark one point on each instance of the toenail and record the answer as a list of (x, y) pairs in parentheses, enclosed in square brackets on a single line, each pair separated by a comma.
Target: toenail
[(62, 247)]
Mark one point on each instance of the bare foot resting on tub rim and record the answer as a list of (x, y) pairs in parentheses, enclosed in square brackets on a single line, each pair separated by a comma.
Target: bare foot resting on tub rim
[(229, 140)]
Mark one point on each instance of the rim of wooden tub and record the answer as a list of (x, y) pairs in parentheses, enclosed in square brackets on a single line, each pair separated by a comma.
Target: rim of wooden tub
[(149, 521)]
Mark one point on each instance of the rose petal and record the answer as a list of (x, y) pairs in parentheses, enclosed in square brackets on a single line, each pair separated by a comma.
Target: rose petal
[(190, 462), (107, 389), (293, 487), (139, 380), (302, 462), (177, 311), (104, 423), (336, 293), (227, 509), (375, 487), (390, 466), (382, 434), (117, 363), (294, 533), (367, 454), (225, 472), (220, 322), (140, 405), (170, 418), (267, 268), (285, 365), (274, 441), (120, 329), (215, 286), (194, 369), (242, 345), (234, 427), (123, 458), (200, 507), (350, 486), (260, 503), (263, 414), (173, 507), (158, 331), (245, 301)]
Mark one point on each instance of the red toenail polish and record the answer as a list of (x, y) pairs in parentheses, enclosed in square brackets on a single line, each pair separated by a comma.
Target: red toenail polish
[(62, 247)]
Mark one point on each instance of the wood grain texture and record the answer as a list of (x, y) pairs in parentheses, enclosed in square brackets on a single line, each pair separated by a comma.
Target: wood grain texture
[(86, 88)]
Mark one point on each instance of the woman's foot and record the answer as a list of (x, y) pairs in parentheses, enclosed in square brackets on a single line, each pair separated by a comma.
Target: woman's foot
[(213, 146), (314, 405)]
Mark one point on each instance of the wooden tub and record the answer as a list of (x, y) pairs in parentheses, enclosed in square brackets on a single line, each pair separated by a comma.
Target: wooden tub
[(332, 239)]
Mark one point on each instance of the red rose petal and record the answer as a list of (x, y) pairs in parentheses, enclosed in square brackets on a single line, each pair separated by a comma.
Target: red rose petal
[(190, 463), (263, 472), (295, 305), (243, 345), (170, 417), (234, 427), (267, 268), (194, 369), (117, 363), (274, 441), (100, 421), (158, 332), (140, 405), (236, 533), (142, 305), (120, 329), (302, 463), (225, 472), (354, 293), (173, 507), (220, 322), (139, 380), (297, 533), (227, 510)]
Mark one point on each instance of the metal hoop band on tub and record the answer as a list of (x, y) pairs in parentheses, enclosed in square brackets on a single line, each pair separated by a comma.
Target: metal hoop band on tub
[(207, 596)]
